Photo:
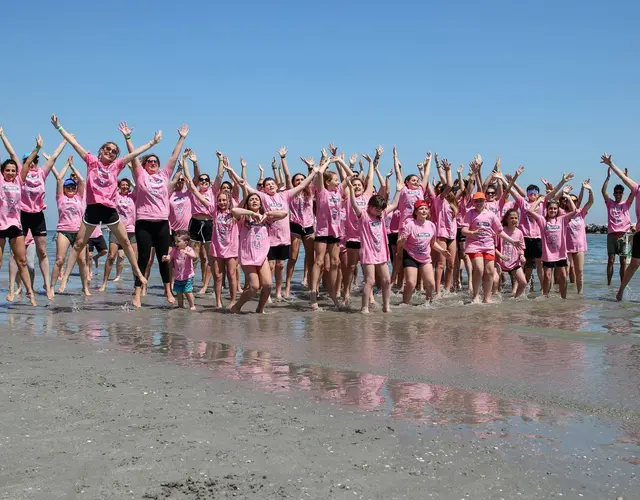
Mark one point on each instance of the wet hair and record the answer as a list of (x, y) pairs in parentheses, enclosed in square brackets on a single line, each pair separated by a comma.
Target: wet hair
[(8, 162), (144, 159), (226, 183), (377, 201), (618, 187), (181, 235), (106, 144), (532, 187), (505, 219), (408, 178)]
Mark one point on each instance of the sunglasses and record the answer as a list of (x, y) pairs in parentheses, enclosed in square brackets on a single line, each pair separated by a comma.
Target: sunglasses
[(111, 151), (203, 180), (71, 188), (618, 192), (533, 191), (490, 193), (151, 160)]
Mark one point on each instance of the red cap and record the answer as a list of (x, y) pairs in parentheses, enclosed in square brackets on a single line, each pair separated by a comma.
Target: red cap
[(479, 196)]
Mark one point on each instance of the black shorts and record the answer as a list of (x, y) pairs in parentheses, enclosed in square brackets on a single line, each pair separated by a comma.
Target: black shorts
[(329, 240), (98, 244), (34, 222), (408, 261), (557, 263), (280, 252), (459, 236), (532, 248), (354, 245), (10, 233), (392, 238), (97, 213), (298, 230), (635, 246), (201, 230), (510, 271)]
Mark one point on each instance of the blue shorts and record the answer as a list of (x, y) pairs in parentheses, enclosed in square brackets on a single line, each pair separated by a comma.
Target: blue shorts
[(183, 286)]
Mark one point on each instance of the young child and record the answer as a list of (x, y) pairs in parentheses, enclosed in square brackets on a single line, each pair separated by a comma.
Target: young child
[(374, 252), (512, 258), (182, 256)]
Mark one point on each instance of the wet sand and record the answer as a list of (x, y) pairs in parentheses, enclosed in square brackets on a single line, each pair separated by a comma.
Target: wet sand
[(86, 417)]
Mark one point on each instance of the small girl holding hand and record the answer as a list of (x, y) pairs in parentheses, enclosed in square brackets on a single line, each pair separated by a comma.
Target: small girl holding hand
[(182, 257)]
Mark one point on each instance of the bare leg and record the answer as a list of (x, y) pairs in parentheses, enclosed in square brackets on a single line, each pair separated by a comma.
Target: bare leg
[(191, 300), (629, 272), (546, 281), (369, 280), (253, 285), (216, 265), (108, 264), (279, 273), (291, 263), (41, 251), (410, 280), (120, 263), (80, 245), (623, 266), (20, 254), (561, 280), (206, 263), (353, 255), (309, 258), (477, 272), (13, 273), (316, 272), (62, 246), (385, 284), (428, 279), (264, 276), (232, 268), (487, 280)]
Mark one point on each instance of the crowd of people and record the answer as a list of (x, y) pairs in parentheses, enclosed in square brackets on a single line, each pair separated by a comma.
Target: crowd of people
[(432, 232)]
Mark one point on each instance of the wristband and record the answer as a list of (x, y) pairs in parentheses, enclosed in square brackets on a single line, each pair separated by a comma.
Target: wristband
[(2, 134), (127, 137), (37, 149), (60, 129)]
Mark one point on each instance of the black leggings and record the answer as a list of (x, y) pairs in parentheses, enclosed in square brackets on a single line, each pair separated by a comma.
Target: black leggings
[(153, 234)]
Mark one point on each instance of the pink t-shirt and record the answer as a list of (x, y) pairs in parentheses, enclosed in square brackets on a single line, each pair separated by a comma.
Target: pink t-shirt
[(102, 180), (505, 206), (152, 201), (618, 216), (126, 208), (197, 207), (301, 207), (352, 223), (33, 191), (636, 195), (577, 233), (408, 198), (179, 210), (279, 231), (224, 242), (182, 263), (528, 225), (10, 203), (70, 211), (418, 236), (484, 241), (97, 232), (328, 212), (446, 225), (509, 251), (394, 222), (373, 240), (554, 241), (254, 243), (493, 206)]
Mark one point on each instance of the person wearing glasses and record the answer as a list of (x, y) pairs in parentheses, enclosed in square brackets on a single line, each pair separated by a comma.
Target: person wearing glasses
[(102, 182), (152, 209)]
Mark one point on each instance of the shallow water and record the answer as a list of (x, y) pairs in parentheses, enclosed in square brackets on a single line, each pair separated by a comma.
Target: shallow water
[(566, 370)]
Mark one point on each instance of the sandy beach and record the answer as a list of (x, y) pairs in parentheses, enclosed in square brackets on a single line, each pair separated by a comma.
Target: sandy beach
[(92, 421)]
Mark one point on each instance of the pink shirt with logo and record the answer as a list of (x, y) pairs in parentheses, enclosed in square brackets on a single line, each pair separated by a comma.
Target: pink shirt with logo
[(328, 212), (505, 206), (102, 180), (485, 240), (254, 243), (394, 222), (224, 242), (418, 236), (10, 195), (509, 251), (618, 216), (152, 201), (70, 211), (554, 245), (446, 225), (33, 191), (493, 206), (577, 232), (126, 208), (352, 223), (179, 210), (408, 198), (197, 207), (279, 231), (182, 263), (528, 225), (301, 207), (373, 240)]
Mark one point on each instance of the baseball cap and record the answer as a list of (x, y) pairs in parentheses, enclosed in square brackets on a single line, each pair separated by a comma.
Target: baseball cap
[(479, 196), (26, 155), (70, 182)]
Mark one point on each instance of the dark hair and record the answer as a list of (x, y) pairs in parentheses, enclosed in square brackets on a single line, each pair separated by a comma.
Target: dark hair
[(307, 190), (8, 162), (181, 234), (245, 203), (531, 187), (327, 176), (106, 144), (492, 186), (144, 159), (618, 187), (505, 218), (124, 179), (377, 201), (226, 183), (406, 179), (264, 181)]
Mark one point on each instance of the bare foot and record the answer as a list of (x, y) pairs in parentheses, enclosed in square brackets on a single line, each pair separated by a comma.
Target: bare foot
[(117, 278), (235, 309), (218, 305), (364, 310), (103, 287), (63, 285), (86, 292), (231, 305), (10, 297), (202, 291), (618, 295), (475, 300), (143, 290), (136, 302), (50, 293), (269, 301), (32, 298), (171, 299), (192, 308), (260, 310), (304, 283), (385, 309)]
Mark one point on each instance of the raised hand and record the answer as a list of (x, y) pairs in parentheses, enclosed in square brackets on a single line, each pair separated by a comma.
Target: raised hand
[(460, 169), (183, 131), (395, 151), (323, 155), (243, 163), (220, 155), (45, 155), (389, 174), (283, 152), (567, 189), (192, 156), (333, 149), (69, 160), (496, 167), (309, 162), (157, 137), (124, 128), (606, 159), (520, 170), (39, 141), (352, 160), (546, 183), (366, 157), (427, 158), (478, 161), (1, 131), (261, 170), (55, 121), (435, 159), (446, 165), (360, 163), (509, 177), (567, 177), (586, 185), (379, 150), (273, 162)]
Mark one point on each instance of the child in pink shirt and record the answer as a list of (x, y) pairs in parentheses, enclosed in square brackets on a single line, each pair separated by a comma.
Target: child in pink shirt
[(254, 249), (182, 256), (512, 258), (577, 235), (374, 251), (554, 246)]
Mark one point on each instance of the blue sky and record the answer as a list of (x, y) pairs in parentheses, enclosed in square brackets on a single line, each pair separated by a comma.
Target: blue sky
[(543, 84)]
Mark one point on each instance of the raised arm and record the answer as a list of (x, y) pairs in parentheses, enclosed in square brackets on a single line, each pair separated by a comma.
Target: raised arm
[(605, 185), (394, 203), (447, 180), (352, 199), (194, 190), (305, 182), (9, 147), (157, 137), (70, 138), (220, 174), (60, 177), (51, 161), (32, 156), (565, 178), (572, 206), (234, 176), (81, 182), (427, 171), (126, 132), (587, 186), (512, 182), (173, 159), (630, 183), (322, 168)]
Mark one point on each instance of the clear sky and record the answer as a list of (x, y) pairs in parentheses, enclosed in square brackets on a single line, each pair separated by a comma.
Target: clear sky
[(549, 85)]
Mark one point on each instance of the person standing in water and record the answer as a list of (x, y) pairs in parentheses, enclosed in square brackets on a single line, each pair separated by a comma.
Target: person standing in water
[(102, 178)]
